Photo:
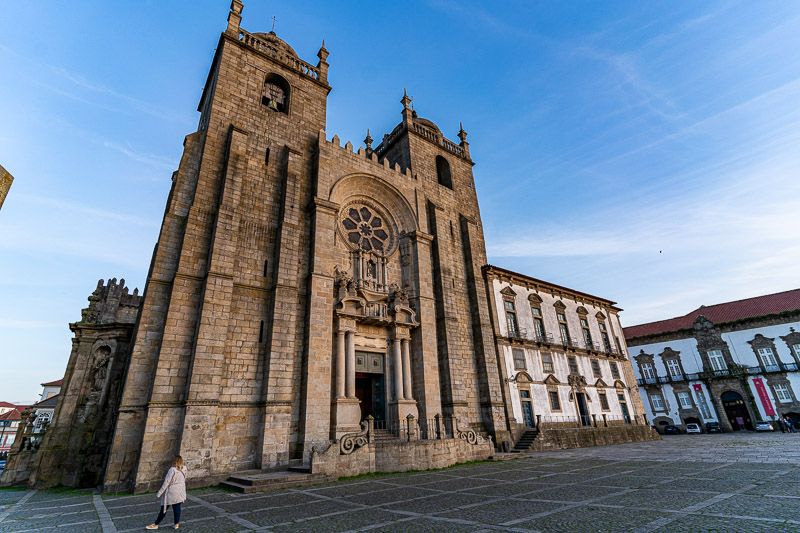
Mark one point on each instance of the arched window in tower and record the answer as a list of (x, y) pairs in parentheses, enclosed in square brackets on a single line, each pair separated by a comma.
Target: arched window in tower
[(443, 172), (276, 93)]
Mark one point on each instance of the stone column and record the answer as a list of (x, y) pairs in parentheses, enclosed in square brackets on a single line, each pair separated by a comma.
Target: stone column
[(340, 364), (407, 395), (398, 370), (351, 365)]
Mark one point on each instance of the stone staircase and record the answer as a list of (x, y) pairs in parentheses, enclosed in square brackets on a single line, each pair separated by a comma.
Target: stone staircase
[(382, 436), (526, 441), (250, 481)]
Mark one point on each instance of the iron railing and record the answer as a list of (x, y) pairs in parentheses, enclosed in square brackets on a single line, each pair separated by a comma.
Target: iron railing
[(721, 373)]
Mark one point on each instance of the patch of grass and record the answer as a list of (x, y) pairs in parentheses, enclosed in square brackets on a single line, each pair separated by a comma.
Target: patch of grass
[(118, 494), (61, 489), (13, 488)]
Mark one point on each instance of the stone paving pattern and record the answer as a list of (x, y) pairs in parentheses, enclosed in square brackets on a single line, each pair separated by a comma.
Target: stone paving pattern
[(731, 482)]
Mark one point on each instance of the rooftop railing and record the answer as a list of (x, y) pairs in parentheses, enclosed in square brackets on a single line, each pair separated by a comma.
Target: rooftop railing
[(269, 49)]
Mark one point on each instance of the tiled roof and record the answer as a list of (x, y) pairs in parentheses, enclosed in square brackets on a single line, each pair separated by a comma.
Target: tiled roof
[(13, 414), (56, 383), (769, 304), (46, 403), (7, 404)]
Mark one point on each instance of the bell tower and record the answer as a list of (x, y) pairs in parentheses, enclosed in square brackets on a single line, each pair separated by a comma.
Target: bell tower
[(218, 345), (442, 169)]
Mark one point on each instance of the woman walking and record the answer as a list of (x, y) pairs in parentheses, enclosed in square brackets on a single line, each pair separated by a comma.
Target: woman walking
[(172, 493)]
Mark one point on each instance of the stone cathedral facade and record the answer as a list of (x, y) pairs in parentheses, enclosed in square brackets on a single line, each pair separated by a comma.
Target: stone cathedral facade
[(298, 288)]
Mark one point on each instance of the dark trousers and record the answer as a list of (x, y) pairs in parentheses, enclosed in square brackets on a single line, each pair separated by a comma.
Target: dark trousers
[(176, 513)]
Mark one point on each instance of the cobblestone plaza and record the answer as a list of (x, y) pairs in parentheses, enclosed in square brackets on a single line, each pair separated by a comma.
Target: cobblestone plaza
[(729, 482)]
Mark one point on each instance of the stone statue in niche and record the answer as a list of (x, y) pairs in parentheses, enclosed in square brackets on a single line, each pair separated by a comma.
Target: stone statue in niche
[(100, 368)]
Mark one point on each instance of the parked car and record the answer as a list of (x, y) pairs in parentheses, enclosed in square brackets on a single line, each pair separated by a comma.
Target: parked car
[(713, 427), (672, 430), (764, 426), (2, 464), (693, 428)]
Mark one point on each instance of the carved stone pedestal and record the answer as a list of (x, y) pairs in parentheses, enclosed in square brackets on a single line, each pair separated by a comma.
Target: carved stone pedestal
[(346, 416)]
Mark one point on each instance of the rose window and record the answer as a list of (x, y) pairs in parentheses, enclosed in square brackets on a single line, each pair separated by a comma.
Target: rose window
[(366, 229)]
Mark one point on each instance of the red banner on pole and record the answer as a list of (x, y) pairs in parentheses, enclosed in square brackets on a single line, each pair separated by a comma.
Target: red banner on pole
[(762, 393), (697, 387)]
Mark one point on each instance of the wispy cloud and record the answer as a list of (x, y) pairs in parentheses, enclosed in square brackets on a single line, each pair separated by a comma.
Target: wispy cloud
[(127, 104), (139, 156), (12, 323), (81, 209)]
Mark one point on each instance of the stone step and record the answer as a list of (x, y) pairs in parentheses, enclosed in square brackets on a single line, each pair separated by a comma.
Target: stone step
[(248, 482), (526, 441)]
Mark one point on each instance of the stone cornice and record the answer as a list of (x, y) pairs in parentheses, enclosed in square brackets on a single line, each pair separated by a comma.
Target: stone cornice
[(557, 291)]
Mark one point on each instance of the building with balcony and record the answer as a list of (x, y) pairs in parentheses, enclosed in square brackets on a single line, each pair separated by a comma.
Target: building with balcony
[(735, 363), (561, 354), (10, 416)]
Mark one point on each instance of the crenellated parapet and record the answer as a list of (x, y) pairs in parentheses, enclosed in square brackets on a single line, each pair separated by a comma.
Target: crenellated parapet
[(111, 303), (364, 154)]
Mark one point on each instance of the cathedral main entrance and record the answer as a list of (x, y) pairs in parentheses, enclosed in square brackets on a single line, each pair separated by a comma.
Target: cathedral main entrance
[(371, 385)]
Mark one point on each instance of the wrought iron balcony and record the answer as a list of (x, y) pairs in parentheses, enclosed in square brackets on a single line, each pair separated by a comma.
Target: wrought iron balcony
[(518, 334)]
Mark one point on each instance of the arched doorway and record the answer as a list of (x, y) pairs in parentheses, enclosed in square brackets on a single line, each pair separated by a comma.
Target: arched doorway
[(736, 410), (693, 420), (660, 422)]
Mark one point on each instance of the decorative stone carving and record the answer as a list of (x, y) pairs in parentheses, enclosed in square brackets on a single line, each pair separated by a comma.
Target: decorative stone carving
[(577, 382), (366, 227), (352, 441), (99, 377), (467, 434)]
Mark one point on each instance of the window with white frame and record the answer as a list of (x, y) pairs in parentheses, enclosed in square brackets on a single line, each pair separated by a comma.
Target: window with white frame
[(657, 401), (555, 401), (547, 363), (596, 369), (717, 360), (796, 349), (511, 318), (674, 368), (782, 392), (603, 401), (648, 372), (685, 400), (604, 335), (767, 357), (519, 359), (538, 323), (563, 328), (614, 370), (587, 334)]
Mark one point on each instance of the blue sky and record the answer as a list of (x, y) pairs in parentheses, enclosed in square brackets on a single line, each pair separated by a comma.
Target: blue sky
[(644, 152)]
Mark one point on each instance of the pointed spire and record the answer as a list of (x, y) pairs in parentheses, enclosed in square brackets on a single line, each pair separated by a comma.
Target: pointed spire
[(323, 52), (461, 133), (406, 101), (322, 65), (368, 143), (235, 17)]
